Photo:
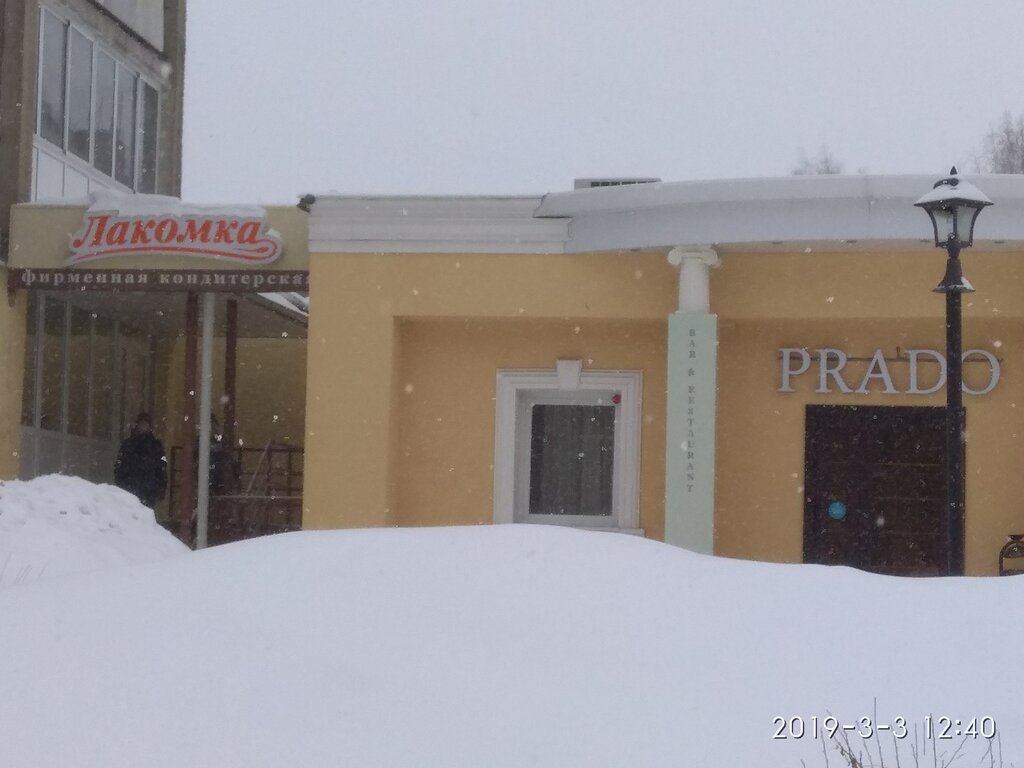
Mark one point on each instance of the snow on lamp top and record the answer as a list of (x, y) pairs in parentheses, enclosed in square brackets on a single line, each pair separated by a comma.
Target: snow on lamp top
[(953, 204)]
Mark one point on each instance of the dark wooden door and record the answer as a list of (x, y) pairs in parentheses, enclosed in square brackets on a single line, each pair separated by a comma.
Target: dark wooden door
[(875, 488)]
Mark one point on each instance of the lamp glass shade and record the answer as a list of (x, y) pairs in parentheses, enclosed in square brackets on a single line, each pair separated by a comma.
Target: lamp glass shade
[(945, 222), (966, 214), (953, 205)]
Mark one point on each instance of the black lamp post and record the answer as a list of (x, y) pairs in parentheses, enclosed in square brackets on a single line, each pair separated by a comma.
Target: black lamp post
[(953, 205)]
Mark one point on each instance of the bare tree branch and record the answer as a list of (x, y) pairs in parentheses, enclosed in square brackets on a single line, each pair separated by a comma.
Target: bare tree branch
[(1003, 146), (824, 163)]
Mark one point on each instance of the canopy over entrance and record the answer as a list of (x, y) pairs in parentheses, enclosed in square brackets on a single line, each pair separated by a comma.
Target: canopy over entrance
[(142, 285)]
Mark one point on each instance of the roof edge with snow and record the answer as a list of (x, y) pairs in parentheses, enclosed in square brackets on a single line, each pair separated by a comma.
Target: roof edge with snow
[(757, 214)]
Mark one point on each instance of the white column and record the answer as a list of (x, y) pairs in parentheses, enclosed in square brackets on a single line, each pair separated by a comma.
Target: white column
[(694, 283), (690, 407)]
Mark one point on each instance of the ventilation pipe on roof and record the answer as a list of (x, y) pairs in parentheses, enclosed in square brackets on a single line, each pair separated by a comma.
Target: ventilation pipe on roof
[(613, 182)]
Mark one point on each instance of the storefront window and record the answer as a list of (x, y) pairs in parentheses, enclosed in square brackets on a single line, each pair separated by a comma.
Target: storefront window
[(134, 385), (79, 94), (51, 84), (52, 400), (103, 378), (78, 373), (28, 399)]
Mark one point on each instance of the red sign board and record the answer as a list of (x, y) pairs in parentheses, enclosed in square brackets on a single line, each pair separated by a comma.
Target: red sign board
[(237, 238)]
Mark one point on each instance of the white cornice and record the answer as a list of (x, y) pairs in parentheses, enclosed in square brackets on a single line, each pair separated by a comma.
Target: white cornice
[(433, 225)]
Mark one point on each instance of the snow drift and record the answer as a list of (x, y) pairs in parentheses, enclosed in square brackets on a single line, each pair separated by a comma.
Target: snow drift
[(58, 525), (488, 646)]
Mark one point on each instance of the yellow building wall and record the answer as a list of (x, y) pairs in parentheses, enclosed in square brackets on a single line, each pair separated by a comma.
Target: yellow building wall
[(446, 377), (857, 303), (404, 349), (379, 319), (12, 372)]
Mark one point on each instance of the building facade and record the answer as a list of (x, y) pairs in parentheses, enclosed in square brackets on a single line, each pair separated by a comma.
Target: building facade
[(90, 101), (751, 368)]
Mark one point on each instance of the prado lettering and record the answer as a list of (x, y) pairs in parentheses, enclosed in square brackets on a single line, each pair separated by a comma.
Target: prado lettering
[(106, 234), (796, 361)]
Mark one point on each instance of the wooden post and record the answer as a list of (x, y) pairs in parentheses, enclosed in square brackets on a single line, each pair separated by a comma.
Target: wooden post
[(189, 412)]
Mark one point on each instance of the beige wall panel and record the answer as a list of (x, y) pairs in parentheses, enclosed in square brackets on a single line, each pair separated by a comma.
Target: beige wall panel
[(446, 379), (760, 433), (12, 372), (351, 446), (868, 284)]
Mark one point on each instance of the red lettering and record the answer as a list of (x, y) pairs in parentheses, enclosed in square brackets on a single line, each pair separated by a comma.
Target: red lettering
[(225, 232), (196, 232), (117, 234), (166, 231), (93, 225), (249, 232), (139, 235)]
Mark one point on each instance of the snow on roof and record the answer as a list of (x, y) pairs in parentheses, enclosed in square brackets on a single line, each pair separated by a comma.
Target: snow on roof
[(754, 212), (496, 646), (294, 303), (132, 204), (59, 525)]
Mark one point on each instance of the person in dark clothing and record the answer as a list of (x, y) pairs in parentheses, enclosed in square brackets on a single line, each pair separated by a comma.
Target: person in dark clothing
[(141, 466)]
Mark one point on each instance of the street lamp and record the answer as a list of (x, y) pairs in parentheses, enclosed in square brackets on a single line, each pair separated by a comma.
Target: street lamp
[(953, 205)]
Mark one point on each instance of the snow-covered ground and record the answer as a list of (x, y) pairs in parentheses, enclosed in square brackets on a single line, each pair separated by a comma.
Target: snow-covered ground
[(56, 525), (493, 646)]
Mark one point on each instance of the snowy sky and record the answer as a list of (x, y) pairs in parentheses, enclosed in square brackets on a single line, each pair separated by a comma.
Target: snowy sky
[(503, 96)]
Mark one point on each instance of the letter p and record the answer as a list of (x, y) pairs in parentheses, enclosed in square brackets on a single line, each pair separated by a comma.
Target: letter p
[(788, 371)]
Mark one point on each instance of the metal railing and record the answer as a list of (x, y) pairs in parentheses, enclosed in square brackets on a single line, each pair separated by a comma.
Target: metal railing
[(259, 491)]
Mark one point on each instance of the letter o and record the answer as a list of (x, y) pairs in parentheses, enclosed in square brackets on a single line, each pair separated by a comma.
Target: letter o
[(994, 369)]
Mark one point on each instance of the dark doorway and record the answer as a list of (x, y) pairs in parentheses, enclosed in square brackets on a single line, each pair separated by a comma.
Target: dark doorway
[(876, 489)]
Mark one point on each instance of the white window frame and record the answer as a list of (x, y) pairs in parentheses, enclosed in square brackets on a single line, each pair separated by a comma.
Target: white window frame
[(517, 391), (97, 178)]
